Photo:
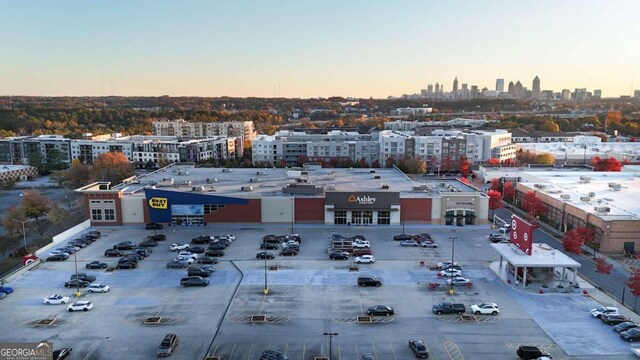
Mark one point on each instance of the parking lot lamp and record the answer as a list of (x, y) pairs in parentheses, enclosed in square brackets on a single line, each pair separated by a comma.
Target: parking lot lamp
[(453, 246), (75, 260), (266, 285), (331, 335), (24, 235)]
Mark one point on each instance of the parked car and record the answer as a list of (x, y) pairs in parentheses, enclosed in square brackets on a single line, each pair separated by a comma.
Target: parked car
[(613, 319), (125, 245), (402, 236), (148, 243), (369, 281), (113, 253), (630, 335), (223, 242), (531, 352), (265, 255), (418, 348), (197, 271), (96, 265), (197, 249), (80, 306), (216, 246), (157, 237), (497, 238), (406, 243), (167, 345), (57, 257), (288, 252), (56, 300), (3, 295), (84, 277), (450, 273), (272, 239), (144, 252), (177, 264), (338, 255), (208, 268), (597, 313), (428, 244), (202, 239), (179, 247), (194, 281), (361, 244), (131, 257), (425, 236), (268, 246), (448, 308), (485, 309), (95, 233), (360, 252), (127, 265), (625, 326), (98, 288), (272, 355), (380, 310), (504, 229), (365, 259), (457, 281), (367, 356), (214, 253), (448, 264), (76, 283), (61, 354), (6, 289), (207, 260), (153, 226)]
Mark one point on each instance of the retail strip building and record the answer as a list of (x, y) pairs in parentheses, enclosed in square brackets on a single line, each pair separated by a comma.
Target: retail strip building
[(185, 195)]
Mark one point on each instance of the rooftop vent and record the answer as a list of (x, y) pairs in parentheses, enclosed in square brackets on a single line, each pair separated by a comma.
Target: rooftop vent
[(376, 176), (540, 186), (246, 188), (616, 187), (254, 180), (585, 179), (565, 196), (225, 170), (385, 186), (592, 194), (372, 171), (585, 198), (603, 209)]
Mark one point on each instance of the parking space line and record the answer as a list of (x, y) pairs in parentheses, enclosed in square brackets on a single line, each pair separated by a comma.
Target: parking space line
[(250, 351), (453, 351), (375, 352), (232, 351), (264, 297), (303, 350), (339, 353), (215, 349), (393, 352), (286, 348), (357, 352)]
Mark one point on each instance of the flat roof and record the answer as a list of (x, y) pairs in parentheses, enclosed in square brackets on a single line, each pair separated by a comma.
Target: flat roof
[(7, 168), (270, 181), (542, 255), (595, 192), (585, 149)]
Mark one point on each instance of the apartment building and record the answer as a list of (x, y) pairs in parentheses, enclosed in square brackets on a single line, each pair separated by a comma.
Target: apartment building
[(183, 128), (18, 149)]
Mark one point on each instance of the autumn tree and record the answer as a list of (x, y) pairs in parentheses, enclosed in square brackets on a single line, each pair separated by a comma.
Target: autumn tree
[(495, 200), (76, 176), (509, 163), (508, 192), (34, 204), (493, 162), (550, 126), (113, 167), (496, 185), (634, 284), (533, 205), (464, 166), (544, 159), (610, 164), (602, 266), (571, 242), (446, 164), (8, 222)]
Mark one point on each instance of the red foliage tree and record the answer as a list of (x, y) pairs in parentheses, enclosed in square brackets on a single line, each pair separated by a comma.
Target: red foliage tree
[(509, 162), (496, 185), (602, 266), (571, 242), (586, 234), (533, 205), (610, 164), (493, 162), (464, 180), (446, 164), (464, 166), (508, 191), (495, 200), (634, 284)]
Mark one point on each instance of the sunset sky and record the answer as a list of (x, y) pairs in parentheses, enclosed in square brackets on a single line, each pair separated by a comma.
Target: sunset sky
[(360, 48)]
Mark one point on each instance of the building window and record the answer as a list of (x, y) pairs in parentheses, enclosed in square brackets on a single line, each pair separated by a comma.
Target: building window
[(109, 215), (384, 217), (340, 217), (212, 208), (96, 214)]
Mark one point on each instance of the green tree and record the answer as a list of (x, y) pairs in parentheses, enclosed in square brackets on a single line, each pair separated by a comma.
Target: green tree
[(37, 161), (54, 161), (34, 204)]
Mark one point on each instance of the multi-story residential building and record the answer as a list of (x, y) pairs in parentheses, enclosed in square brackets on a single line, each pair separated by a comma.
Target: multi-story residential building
[(17, 150), (182, 128), (521, 136)]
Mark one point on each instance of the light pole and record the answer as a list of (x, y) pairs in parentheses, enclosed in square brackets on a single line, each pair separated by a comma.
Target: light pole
[(266, 286), (24, 235), (75, 260), (453, 246), (331, 335), (293, 214)]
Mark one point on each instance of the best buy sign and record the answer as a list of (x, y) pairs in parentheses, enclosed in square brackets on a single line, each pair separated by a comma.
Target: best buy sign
[(158, 203)]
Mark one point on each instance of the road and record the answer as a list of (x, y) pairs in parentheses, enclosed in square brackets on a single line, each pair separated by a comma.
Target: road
[(613, 284)]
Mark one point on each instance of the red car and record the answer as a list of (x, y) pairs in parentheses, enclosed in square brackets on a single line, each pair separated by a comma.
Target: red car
[(361, 251)]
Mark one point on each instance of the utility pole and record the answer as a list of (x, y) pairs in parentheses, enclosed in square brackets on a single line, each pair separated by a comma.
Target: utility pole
[(331, 335), (453, 246), (24, 235)]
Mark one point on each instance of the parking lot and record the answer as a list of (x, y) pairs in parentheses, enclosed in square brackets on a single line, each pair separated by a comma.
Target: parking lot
[(308, 295)]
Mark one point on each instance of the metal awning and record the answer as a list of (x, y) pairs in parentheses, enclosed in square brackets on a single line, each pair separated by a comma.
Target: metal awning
[(542, 255)]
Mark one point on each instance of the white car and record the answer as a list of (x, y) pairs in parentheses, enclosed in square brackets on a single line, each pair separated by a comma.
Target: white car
[(188, 259), (228, 237), (98, 288), (289, 242), (361, 244), (597, 313), (80, 306), (186, 253), (365, 259), (504, 229), (485, 309), (56, 300), (450, 273), (445, 264), (459, 281), (178, 247)]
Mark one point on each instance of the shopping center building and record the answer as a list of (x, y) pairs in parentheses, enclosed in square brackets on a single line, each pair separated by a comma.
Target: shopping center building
[(181, 194)]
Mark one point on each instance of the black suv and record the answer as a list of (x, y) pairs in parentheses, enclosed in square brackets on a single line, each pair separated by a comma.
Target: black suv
[(157, 237), (113, 253), (83, 277), (153, 226), (167, 345), (268, 246), (369, 281), (202, 239), (198, 272), (338, 255), (272, 355), (125, 245), (194, 281)]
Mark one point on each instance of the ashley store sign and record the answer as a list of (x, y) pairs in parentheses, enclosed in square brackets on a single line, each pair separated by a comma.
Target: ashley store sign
[(362, 200)]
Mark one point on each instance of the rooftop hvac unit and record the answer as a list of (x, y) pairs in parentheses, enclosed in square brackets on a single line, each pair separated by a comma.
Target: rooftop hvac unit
[(442, 184), (584, 177), (211, 180), (592, 194), (376, 176), (603, 209), (254, 180), (261, 173), (247, 188), (372, 171), (565, 196), (585, 198), (225, 170), (540, 186), (617, 187), (385, 186), (612, 184), (197, 188)]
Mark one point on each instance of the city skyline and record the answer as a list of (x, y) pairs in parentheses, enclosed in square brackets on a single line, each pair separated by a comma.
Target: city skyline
[(292, 49)]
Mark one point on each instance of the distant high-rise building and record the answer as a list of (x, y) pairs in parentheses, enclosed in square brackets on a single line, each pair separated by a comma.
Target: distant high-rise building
[(517, 89), (437, 88), (465, 86), (535, 88), (566, 94), (455, 84), (474, 91), (636, 94), (580, 94), (597, 94), (510, 88), (430, 88), (500, 85)]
